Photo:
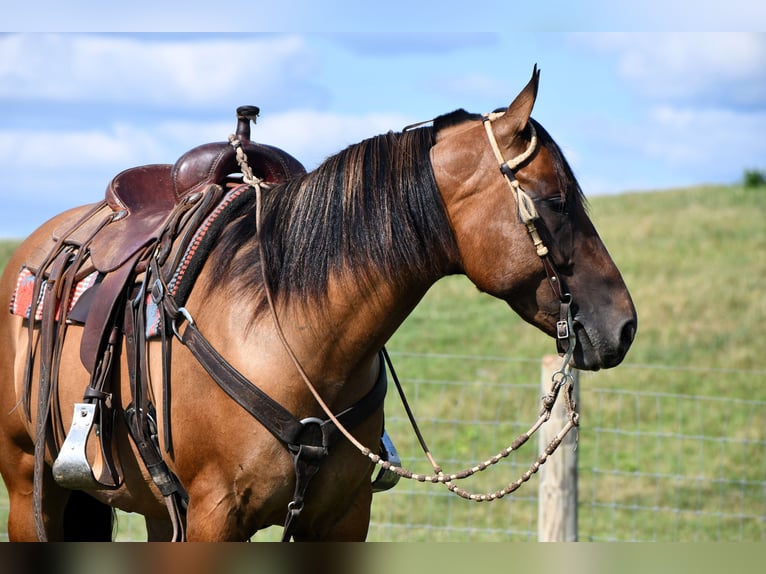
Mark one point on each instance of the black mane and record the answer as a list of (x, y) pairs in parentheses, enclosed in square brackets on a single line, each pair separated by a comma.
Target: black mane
[(371, 210), (454, 118), (568, 185)]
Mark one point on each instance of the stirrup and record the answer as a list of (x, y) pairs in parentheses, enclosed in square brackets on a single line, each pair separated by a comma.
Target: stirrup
[(386, 478), (71, 468)]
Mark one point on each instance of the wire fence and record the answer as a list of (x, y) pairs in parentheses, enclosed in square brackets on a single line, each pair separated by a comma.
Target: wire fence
[(665, 454)]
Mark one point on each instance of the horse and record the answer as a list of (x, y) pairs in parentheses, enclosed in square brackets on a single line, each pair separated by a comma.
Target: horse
[(298, 295)]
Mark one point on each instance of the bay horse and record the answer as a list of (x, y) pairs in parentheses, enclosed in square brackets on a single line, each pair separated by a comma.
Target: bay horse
[(307, 281)]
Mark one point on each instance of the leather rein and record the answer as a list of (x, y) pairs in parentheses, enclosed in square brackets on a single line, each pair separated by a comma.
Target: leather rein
[(561, 379)]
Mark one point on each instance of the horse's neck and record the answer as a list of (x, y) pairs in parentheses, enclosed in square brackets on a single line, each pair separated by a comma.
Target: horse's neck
[(364, 318), (334, 339)]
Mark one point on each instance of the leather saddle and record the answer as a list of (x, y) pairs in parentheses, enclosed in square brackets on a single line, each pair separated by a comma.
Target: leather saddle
[(138, 206), (150, 219), (147, 211), (141, 198)]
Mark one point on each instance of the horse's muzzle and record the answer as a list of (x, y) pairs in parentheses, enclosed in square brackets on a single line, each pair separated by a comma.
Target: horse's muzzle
[(603, 348)]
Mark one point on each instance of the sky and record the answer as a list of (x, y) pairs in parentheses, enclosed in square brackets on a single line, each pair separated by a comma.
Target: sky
[(85, 94)]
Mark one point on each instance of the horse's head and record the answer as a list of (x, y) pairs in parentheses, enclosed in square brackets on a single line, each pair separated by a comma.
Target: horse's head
[(497, 248)]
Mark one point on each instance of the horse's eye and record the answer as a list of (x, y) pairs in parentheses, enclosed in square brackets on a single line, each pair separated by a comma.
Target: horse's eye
[(557, 204)]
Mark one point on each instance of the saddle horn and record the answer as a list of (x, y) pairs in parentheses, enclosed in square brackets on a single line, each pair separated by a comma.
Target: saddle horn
[(211, 163), (246, 114)]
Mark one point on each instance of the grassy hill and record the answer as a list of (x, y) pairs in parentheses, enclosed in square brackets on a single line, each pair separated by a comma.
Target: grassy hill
[(694, 262), (692, 258)]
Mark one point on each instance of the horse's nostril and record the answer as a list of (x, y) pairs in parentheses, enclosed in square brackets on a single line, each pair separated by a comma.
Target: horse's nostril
[(627, 334)]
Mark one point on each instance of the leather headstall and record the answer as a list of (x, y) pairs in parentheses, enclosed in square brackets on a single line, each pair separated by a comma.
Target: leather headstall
[(529, 216)]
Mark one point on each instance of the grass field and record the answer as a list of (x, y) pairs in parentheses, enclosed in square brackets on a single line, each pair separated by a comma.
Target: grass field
[(694, 261)]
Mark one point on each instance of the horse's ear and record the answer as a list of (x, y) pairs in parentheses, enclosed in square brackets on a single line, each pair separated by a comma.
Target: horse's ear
[(517, 114)]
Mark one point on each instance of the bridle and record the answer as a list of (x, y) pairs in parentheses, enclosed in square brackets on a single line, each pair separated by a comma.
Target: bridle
[(528, 216), (561, 379)]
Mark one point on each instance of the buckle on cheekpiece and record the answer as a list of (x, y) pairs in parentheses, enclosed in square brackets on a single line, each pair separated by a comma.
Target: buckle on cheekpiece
[(387, 478)]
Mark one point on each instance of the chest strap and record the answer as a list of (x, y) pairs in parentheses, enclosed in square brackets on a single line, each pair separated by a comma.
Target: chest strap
[(307, 440), (278, 420)]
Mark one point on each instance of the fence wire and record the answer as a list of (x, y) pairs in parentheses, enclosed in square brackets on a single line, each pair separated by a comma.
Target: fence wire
[(665, 454)]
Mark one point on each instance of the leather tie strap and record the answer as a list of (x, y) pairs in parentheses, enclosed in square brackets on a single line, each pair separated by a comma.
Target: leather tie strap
[(278, 420), (307, 440)]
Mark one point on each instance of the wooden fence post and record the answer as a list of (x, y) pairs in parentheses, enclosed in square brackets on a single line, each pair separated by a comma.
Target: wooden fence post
[(557, 494)]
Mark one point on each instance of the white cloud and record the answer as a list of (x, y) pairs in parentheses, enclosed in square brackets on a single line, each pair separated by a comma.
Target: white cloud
[(52, 154), (694, 110), (155, 71), (52, 150), (713, 140), (710, 69), (676, 145)]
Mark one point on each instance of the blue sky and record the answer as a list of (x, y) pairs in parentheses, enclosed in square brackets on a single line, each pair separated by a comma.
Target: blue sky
[(81, 100)]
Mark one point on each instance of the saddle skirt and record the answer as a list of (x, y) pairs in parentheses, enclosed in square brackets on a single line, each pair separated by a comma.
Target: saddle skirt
[(21, 299), (181, 277)]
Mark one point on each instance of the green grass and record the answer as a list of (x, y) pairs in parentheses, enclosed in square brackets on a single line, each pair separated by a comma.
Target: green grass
[(657, 462)]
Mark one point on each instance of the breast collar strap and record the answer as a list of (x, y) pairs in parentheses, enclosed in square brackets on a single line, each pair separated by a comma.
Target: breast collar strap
[(308, 440), (528, 215)]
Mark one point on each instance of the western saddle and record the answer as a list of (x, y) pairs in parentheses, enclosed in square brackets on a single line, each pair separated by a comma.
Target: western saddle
[(145, 242), (140, 229)]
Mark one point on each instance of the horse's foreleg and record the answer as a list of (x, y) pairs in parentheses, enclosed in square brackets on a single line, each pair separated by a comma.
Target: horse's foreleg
[(213, 519), (352, 526), (18, 471), (66, 515), (159, 530)]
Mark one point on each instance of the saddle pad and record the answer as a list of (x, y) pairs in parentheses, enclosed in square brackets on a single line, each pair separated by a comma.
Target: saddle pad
[(21, 299)]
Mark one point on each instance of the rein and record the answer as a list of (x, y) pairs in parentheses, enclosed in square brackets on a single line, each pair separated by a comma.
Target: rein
[(561, 379)]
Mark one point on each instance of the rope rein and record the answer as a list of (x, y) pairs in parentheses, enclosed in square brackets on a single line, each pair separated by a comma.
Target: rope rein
[(561, 379)]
